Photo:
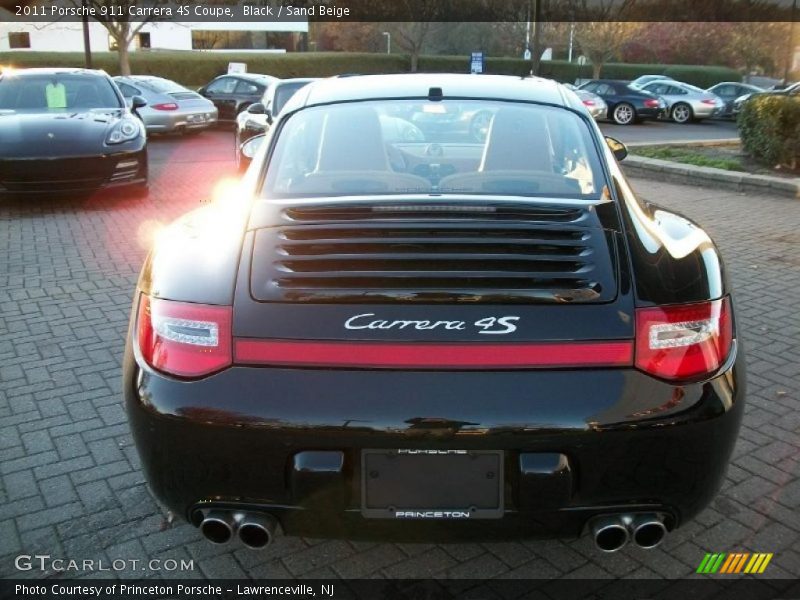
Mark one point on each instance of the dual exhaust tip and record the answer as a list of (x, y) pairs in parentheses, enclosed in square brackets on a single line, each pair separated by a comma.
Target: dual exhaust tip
[(612, 533), (255, 530)]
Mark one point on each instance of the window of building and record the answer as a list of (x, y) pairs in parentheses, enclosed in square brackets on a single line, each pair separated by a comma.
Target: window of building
[(245, 40), (19, 39)]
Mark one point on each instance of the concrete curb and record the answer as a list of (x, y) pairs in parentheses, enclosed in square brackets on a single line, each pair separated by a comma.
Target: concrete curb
[(721, 142), (666, 170)]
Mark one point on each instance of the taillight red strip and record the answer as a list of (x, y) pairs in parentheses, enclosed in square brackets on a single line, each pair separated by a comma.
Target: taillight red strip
[(432, 356)]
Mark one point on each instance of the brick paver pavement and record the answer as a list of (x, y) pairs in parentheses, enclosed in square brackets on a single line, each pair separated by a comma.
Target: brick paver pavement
[(71, 484)]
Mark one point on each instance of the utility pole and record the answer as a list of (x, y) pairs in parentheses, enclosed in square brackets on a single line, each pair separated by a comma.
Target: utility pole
[(87, 43), (388, 42), (536, 51), (792, 47), (571, 40)]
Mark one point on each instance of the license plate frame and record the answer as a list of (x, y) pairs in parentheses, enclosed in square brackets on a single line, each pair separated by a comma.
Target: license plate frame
[(432, 484)]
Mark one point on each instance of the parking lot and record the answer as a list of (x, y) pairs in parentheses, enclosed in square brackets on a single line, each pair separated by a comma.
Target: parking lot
[(665, 131), (70, 480)]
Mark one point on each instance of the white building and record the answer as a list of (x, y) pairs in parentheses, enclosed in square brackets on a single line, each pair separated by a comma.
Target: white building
[(68, 36)]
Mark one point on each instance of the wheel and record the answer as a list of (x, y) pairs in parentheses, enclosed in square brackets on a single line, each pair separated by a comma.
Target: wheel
[(681, 113), (624, 114), (479, 126)]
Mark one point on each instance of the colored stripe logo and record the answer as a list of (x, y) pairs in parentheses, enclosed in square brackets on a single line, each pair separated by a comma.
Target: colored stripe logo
[(735, 562)]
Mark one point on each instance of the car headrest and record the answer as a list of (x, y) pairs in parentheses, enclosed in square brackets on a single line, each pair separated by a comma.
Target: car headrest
[(352, 140), (518, 140)]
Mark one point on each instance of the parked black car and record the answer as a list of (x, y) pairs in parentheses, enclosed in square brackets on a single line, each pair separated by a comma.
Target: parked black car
[(729, 91), (233, 93), (431, 339), (68, 130), (626, 104), (260, 115)]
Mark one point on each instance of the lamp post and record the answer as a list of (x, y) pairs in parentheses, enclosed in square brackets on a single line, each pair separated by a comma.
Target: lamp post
[(388, 42)]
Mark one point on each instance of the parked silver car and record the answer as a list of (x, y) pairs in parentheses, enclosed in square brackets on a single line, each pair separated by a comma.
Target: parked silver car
[(596, 106), (171, 108), (643, 80), (686, 102)]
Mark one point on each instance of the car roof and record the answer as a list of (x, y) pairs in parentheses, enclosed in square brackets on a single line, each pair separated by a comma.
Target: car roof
[(251, 76), (56, 71), (615, 81), (419, 85), (296, 80)]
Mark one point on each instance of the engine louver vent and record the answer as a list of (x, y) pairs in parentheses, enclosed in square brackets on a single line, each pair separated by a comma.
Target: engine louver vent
[(430, 254)]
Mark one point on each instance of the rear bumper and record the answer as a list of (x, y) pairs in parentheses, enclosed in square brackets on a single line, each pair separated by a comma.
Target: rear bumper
[(74, 174), (181, 119), (615, 440)]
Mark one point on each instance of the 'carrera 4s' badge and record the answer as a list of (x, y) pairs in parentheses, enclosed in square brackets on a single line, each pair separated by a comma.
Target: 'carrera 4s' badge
[(488, 325)]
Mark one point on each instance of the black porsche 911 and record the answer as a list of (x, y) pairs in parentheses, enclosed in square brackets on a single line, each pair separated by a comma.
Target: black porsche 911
[(68, 130), (434, 340)]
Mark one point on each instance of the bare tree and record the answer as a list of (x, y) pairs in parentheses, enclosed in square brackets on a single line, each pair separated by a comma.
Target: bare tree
[(412, 37), (601, 41), (115, 16)]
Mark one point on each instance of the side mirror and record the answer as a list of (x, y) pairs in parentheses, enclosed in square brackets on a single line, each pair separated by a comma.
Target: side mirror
[(138, 102), (619, 149), (256, 109), (249, 149)]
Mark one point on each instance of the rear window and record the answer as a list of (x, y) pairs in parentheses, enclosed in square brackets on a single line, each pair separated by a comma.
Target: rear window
[(419, 146), (164, 86), (58, 91)]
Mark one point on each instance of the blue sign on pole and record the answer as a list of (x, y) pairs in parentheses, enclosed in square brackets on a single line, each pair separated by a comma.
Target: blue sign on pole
[(477, 62)]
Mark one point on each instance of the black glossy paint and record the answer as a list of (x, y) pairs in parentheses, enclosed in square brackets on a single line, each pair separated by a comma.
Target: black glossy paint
[(576, 443), (66, 151), (621, 92), (234, 92)]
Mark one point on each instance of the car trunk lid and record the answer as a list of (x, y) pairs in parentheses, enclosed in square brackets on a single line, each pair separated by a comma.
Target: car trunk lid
[(440, 270)]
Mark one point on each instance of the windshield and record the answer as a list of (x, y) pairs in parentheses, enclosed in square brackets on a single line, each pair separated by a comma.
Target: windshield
[(419, 146), (55, 92)]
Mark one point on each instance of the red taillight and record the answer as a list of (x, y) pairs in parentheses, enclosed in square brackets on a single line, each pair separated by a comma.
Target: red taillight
[(166, 106), (183, 339), (589, 102), (683, 342), (651, 103), (709, 101), (404, 355)]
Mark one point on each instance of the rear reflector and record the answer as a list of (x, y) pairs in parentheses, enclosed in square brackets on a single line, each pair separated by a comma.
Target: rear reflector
[(183, 339), (432, 356), (683, 342)]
